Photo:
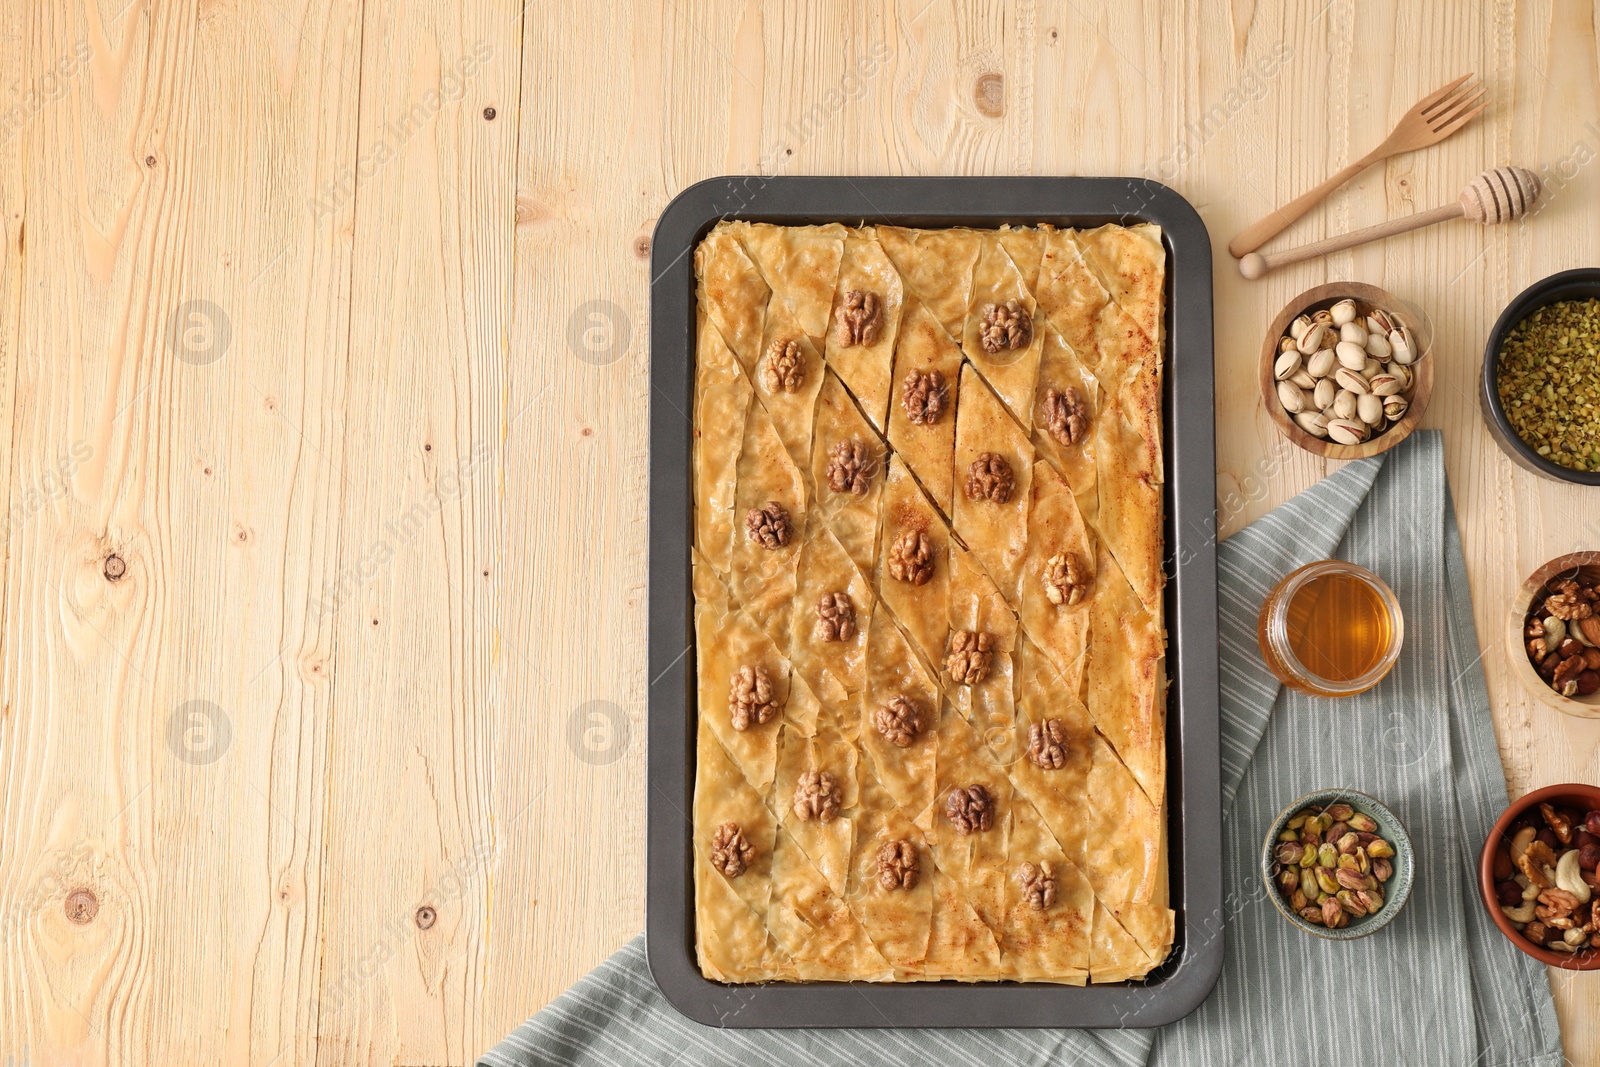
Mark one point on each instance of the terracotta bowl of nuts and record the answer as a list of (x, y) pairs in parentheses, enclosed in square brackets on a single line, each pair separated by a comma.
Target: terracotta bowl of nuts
[(1345, 372), (1338, 864), (1538, 875), (1553, 634)]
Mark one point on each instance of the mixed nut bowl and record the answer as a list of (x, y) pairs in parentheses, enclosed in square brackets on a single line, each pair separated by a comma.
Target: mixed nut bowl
[(1553, 634), (1539, 879)]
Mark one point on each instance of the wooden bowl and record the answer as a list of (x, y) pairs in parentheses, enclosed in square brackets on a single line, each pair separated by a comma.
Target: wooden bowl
[(1586, 563), (1325, 296), (1584, 797)]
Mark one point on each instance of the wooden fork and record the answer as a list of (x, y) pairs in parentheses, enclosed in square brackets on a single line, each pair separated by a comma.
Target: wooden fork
[(1436, 116)]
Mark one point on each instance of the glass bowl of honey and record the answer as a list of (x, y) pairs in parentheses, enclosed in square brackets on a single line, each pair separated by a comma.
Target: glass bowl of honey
[(1331, 628)]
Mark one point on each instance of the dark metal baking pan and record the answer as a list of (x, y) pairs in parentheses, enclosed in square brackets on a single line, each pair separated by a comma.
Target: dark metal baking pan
[(1193, 761)]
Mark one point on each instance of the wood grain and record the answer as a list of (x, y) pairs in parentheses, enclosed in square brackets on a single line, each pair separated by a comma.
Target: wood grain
[(390, 843)]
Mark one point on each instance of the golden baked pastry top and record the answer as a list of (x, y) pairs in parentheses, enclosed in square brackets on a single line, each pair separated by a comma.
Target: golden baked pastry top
[(928, 604)]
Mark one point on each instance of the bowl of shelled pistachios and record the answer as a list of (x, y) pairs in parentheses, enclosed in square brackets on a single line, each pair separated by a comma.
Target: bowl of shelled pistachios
[(1540, 384), (1338, 864), (1345, 372), (1537, 873)]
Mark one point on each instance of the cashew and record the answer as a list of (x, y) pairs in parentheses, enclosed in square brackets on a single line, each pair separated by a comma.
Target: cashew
[(1531, 892), (1569, 876), (1519, 844), (1521, 880), (1522, 914), (1554, 631)]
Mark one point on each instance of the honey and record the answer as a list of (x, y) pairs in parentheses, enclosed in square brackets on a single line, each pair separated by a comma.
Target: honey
[(1330, 628)]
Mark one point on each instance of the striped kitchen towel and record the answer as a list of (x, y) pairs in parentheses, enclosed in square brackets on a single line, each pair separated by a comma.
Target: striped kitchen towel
[(1438, 986)]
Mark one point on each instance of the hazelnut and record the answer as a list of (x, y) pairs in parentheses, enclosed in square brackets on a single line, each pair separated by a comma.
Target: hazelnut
[(1502, 864), (1591, 822), (1509, 893), (1589, 857)]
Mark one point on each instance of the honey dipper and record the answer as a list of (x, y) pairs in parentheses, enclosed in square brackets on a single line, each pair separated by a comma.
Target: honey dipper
[(1499, 195)]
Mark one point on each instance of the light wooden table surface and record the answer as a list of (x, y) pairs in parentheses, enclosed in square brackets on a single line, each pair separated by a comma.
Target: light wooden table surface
[(328, 319)]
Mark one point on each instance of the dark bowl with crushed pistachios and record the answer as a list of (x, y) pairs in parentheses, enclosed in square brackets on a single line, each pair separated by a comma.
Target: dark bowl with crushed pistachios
[(1540, 390)]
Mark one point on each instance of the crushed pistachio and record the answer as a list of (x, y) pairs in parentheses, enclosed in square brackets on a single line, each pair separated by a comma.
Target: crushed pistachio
[(1549, 382)]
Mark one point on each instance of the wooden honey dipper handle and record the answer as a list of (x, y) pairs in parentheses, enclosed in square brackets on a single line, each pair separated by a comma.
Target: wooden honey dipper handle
[(1499, 195)]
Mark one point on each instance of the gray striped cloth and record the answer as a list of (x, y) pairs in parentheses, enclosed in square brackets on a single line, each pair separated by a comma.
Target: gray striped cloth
[(1438, 986)]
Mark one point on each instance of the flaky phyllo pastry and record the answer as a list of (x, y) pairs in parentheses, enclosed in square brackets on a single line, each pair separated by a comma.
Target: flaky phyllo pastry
[(928, 604)]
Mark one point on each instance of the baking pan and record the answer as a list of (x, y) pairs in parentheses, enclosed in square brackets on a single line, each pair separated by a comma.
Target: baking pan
[(1193, 769)]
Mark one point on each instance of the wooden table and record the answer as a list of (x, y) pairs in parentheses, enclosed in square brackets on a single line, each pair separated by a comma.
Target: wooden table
[(324, 367)]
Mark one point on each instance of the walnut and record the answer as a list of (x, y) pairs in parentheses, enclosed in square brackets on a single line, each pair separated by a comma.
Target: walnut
[(971, 654), (899, 721), (1066, 415), (1533, 861), (969, 809), (850, 466), (911, 558), (1005, 326), (1066, 578), (1568, 605), (897, 865), (1556, 905), (860, 318), (731, 853), (990, 478), (836, 618), (1558, 821), (769, 526), (816, 796), (925, 396), (1038, 885), (785, 369), (1047, 744), (751, 700)]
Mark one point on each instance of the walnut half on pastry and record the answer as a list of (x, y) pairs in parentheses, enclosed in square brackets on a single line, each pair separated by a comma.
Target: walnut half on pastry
[(1038, 884), (971, 654), (768, 527), (969, 810), (836, 618), (1066, 416), (1047, 744), (731, 852), (1066, 579), (860, 318), (899, 721), (898, 866), (751, 700), (785, 369), (925, 396), (816, 796), (850, 466), (990, 478), (911, 558), (1005, 326)]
